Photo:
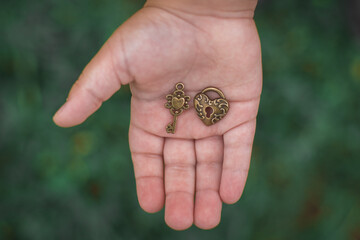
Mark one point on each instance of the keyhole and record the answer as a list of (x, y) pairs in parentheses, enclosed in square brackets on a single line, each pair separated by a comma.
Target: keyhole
[(208, 111)]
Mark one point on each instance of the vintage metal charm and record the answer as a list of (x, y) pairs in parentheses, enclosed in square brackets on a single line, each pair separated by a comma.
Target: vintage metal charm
[(211, 111), (177, 102)]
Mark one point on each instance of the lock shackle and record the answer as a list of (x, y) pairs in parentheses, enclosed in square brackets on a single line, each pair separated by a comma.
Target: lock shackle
[(214, 89)]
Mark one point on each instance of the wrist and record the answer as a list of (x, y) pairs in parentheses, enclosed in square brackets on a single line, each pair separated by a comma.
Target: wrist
[(217, 8)]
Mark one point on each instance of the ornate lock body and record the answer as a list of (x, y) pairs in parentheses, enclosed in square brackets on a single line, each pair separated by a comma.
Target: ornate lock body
[(211, 111)]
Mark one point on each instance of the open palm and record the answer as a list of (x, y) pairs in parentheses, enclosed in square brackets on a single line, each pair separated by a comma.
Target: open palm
[(196, 169)]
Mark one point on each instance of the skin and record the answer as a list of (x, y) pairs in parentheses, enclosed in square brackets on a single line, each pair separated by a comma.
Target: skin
[(195, 170)]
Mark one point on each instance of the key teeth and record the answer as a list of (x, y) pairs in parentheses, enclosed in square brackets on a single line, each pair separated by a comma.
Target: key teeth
[(170, 128)]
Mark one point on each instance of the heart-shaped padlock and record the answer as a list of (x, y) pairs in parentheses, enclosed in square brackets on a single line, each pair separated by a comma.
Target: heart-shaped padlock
[(211, 111)]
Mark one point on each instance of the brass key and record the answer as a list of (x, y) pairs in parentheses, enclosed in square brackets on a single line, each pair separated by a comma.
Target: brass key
[(177, 102)]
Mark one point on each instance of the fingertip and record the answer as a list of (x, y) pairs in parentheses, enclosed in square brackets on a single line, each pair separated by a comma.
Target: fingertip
[(208, 207), (231, 190), (179, 211), (229, 198), (151, 207), (57, 116), (62, 119), (151, 194)]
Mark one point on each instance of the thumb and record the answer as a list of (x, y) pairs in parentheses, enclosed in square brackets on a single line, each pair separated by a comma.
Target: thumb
[(100, 79)]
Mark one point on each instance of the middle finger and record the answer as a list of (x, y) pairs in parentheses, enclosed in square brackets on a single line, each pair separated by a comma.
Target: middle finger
[(179, 158)]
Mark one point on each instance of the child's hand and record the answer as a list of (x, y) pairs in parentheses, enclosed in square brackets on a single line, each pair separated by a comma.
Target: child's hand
[(155, 49)]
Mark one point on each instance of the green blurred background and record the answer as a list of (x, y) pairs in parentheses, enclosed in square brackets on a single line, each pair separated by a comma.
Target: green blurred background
[(78, 183)]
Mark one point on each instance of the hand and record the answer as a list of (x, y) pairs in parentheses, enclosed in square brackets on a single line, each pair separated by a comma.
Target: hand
[(196, 169)]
